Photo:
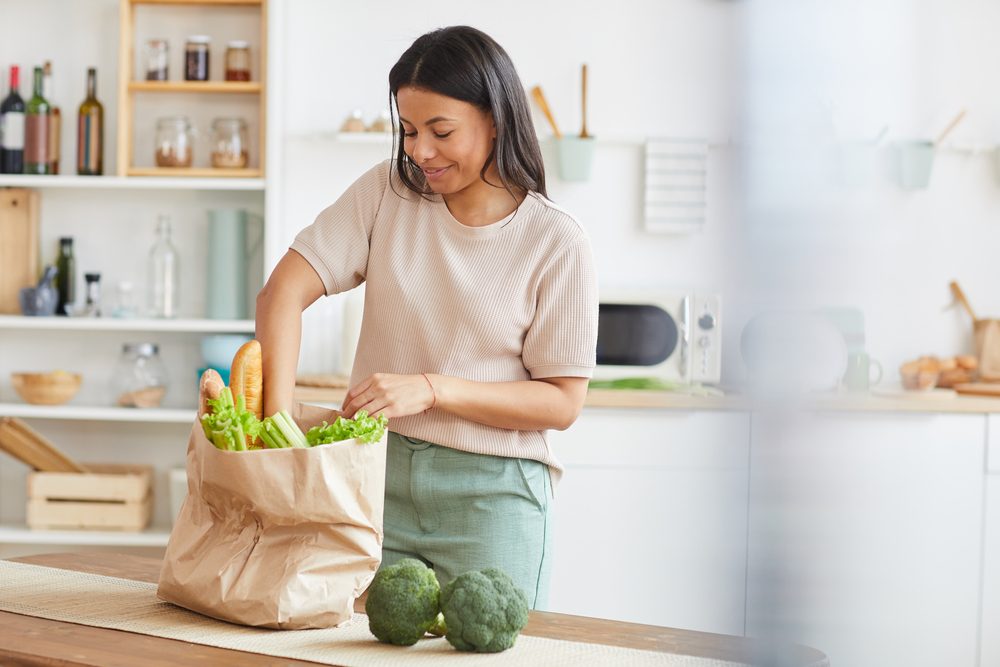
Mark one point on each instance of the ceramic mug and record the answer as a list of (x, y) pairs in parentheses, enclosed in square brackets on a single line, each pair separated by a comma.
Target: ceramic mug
[(858, 376)]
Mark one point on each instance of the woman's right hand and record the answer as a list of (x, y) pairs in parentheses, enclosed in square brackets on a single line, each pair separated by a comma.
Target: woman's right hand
[(291, 288)]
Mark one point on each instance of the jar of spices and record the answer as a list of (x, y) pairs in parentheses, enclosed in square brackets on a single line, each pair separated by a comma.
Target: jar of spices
[(157, 57), (229, 143), (173, 142), (140, 378), (238, 61), (196, 58)]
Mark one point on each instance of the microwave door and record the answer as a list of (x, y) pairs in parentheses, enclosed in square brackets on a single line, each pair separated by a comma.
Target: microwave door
[(642, 337)]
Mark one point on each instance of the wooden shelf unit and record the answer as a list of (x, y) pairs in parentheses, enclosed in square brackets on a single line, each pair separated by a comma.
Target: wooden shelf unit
[(129, 86)]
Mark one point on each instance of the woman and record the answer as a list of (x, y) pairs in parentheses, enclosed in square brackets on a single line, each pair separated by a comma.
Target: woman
[(480, 320)]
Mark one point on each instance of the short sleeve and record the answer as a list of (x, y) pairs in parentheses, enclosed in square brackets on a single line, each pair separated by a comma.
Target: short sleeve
[(336, 244), (562, 338)]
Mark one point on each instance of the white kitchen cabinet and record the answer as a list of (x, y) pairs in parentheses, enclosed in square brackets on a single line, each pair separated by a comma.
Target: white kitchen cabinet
[(650, 518), (989, 628), (865, 535)]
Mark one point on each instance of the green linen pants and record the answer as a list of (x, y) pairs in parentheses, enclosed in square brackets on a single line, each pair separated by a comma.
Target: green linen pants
[(458, 511)]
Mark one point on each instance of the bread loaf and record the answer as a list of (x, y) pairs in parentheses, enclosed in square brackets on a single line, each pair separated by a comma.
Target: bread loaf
[(246, 377)]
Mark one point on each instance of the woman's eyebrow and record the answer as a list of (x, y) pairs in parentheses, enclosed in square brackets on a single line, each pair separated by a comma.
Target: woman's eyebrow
[(435, 119)]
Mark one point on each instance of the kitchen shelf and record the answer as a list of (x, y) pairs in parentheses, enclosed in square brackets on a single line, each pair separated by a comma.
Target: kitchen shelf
[(125, 183), (105, 414), (194, 172), (239, 87), (234, 3), (156, 536), (115, 324)]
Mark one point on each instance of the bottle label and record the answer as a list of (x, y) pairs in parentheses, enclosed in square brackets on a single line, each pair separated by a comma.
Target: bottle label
[(36, 139), (12, 131)]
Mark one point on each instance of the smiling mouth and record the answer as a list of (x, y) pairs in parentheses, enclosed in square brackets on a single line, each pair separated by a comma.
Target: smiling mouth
[(430, 173)]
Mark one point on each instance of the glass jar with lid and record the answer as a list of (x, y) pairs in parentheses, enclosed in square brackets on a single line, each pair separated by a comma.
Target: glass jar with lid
[(140, 378), (157, 56), (229, 143), (196, 52), (238, 61), (174, 145)]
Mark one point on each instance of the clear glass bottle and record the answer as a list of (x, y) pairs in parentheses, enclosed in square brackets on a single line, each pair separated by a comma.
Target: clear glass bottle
[(140, 378), (174, 142), (229, 143), (164, 273), (125, 303)]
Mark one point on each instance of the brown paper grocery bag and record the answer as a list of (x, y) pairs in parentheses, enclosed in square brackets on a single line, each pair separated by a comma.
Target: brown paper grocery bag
[(987, 335), (277, 538)]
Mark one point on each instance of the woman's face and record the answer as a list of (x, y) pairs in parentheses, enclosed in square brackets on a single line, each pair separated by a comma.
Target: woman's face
[(447, 138)]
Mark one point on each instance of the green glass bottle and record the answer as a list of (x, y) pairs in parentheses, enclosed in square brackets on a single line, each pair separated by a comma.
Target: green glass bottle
[(90, 131), (36, 130)]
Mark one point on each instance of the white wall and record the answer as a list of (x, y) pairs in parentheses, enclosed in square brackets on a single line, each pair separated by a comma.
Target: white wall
[(655, 69), (819, 73)]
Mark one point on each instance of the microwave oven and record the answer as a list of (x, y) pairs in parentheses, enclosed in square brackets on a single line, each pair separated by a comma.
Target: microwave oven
[(668, 335)]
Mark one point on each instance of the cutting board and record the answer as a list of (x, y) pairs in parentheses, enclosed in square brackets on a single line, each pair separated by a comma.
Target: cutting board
[(979, 389), (18, 245), (30, 447)]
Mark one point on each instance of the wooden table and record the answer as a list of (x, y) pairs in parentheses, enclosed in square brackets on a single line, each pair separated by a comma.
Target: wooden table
[(26, 640)]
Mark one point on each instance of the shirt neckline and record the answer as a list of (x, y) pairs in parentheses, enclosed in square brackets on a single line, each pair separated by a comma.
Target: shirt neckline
[(484, 231)]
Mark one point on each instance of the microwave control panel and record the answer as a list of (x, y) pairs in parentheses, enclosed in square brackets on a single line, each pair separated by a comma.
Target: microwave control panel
[(706, 339)]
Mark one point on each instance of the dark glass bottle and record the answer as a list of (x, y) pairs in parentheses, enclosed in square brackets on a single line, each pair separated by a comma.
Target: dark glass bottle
[(36, 130), (66, 278), (90, 131), (12, 128)]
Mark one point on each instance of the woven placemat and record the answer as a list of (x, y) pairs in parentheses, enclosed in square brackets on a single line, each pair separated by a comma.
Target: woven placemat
[(132, 606)]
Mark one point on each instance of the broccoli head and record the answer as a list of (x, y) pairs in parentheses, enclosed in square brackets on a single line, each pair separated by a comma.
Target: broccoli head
[(484, 611), (403, 602)]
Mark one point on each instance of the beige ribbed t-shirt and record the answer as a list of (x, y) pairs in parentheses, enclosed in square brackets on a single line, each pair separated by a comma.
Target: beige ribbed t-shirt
[(514, 300)]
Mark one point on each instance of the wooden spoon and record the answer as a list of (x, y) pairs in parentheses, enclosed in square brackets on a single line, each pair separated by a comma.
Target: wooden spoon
[(583, 130), (951, 126), (536, 93), (960, 296)]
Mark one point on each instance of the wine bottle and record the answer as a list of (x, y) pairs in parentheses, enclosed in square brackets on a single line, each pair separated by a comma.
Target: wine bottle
[(90, 131), (55, 119), (36, 130), (66, 278), (12, 128)]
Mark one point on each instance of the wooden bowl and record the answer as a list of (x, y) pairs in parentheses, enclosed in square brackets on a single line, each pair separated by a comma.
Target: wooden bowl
[(53, 388)]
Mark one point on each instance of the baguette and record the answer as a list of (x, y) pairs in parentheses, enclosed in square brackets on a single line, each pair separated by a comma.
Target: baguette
[(246, 377), (210, 387)]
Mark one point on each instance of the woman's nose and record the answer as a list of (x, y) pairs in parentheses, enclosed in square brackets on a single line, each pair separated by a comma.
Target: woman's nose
[(423, 150)]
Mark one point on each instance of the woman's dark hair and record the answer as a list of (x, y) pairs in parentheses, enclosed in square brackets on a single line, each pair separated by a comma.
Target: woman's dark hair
[(466, 64)]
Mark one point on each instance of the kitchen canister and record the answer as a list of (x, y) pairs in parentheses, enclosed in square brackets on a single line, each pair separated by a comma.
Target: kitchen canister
[(231, 239), (575, 155), (916, 159)]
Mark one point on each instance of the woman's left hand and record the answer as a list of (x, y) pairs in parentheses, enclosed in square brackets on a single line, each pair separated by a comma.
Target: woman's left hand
[(389, 394)]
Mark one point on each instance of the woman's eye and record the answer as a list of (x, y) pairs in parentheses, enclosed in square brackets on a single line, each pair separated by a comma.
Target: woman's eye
[(442, 136), (409, 134)]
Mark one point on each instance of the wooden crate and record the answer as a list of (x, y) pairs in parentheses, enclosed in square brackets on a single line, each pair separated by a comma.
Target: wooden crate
[(108, 497)]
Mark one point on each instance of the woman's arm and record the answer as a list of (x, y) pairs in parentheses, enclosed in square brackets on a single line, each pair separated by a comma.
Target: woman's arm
[(291, 288), (530, 405)]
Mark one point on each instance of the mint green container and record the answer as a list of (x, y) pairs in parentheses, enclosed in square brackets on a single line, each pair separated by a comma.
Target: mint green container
[(575, 157), (226, 274), (916, 159)]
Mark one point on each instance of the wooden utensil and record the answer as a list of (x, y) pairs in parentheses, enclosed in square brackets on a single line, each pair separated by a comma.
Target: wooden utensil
[(960, 297), (536, 93), (951, 126), (583, 130), (991, 389), (30, 447)]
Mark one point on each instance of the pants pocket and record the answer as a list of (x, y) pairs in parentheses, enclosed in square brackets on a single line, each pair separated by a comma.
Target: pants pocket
[(533, 474)]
